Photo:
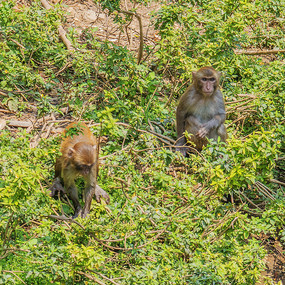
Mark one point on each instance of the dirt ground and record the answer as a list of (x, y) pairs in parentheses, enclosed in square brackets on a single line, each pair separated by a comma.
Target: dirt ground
[(86, 14)]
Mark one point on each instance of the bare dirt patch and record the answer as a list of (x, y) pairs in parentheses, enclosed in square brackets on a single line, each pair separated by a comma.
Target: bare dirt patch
[(82, 15)]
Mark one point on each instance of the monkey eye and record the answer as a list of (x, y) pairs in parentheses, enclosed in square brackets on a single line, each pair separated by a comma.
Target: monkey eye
[(83, 168), (212, 79), (204, 79), (79, 167)]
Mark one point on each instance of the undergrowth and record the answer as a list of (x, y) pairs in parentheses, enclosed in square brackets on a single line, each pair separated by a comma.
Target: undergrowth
[(203, 219)]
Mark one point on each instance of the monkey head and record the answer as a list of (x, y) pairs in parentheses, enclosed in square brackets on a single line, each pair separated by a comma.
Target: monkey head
[(82, 156), (206, 80)]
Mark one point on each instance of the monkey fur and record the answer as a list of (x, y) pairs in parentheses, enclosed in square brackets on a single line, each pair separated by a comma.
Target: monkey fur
[(201, 111), (78, 159)]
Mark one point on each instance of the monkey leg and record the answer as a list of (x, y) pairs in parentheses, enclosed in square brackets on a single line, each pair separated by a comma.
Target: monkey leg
[(218, 132), (222, 133), (180, 145), (73, 194), (88, 195), (192, 126)]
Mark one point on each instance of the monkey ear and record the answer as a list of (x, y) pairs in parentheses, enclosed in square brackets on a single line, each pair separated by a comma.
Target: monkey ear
[(95, 147), (70, 152), (219, 74), (194, 74)]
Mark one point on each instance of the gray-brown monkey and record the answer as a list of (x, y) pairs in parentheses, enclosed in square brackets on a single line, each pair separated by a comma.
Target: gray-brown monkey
[(201, 110)]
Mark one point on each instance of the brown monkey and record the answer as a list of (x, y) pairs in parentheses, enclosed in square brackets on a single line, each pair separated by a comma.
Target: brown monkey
[(201, 110), (78, 159)]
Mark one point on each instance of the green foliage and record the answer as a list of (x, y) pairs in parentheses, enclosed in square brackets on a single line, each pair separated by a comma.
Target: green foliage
[(168, 221), (25, 43), (59, 252), (209, 32), (244, 162)]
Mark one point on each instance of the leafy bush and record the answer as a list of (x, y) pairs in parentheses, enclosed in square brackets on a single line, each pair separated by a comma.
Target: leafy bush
[(170, 220)]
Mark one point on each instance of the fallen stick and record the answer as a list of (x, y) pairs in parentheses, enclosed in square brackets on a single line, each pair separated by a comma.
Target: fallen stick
[(61, 31), (258, 52), (19, 124), (277, 182)]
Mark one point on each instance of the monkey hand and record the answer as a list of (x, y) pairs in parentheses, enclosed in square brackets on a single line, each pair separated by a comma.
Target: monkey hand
[(56, 187), (203, 132), (100, 193)]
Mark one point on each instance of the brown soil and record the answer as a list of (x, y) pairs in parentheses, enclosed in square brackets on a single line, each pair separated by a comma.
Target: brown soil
[(86, 14), (275, 262)]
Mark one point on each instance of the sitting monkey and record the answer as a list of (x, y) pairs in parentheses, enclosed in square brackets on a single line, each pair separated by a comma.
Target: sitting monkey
[(201, 110)]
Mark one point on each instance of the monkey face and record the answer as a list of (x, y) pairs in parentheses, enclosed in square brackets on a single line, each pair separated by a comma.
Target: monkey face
[(206, 80), (83, 169), (208, 85)]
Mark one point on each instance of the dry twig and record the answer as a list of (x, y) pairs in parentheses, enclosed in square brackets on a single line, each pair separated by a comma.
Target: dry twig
[(264, 190), (89, 276), (20, 124), (259, 52), (13, 272), (104, 277), (277, 182), (61, 31)]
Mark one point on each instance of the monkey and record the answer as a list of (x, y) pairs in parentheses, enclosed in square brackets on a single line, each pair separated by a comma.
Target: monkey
[(201, 111), (78, 159)]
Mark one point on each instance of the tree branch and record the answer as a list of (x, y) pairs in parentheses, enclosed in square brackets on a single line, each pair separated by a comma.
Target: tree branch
[(140, 54)]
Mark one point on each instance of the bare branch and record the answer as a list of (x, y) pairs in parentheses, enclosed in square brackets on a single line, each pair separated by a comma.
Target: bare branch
[(140, 54), (259, 52), (61, 31)]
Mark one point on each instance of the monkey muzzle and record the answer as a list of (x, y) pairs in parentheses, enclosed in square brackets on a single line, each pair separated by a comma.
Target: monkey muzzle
[(207, 94), (85, 171)]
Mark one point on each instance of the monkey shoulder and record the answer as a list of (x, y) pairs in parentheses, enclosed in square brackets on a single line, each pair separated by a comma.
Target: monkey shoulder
[(187, 100), (219, 95), (219, 102), (190, 92)]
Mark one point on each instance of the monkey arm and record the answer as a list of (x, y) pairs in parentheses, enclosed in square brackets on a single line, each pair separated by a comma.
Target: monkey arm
[(70, 187), (100, 193), (183, 112), (90, 191), (213, 123), (58, 167), (216, 121), (191, 125), (193, 122), (180, 123)]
